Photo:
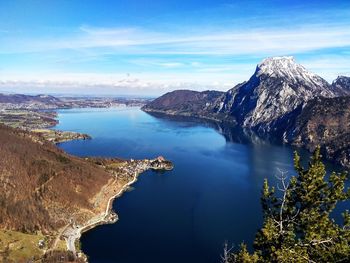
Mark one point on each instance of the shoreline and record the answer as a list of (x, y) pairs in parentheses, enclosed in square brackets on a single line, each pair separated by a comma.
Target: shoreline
[(72, 233), (110, 205), (72, 238), (59, 136)]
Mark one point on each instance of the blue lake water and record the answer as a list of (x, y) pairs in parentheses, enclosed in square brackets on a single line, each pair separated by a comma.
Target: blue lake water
[(187, 214)]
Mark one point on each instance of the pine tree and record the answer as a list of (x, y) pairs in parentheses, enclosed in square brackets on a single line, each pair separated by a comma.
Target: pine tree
[(298, 225)]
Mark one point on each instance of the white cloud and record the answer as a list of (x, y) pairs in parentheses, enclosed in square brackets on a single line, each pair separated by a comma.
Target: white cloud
[(172, 64), (329, 67), (217, 77), (209, 42), (121, 87), (91, 44), (94, 83), (157, 63)]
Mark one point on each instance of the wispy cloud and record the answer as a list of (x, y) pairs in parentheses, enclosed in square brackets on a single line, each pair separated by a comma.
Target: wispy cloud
[(203, 52), (157, 63), (105, 86), (330, 66), (213, 42)]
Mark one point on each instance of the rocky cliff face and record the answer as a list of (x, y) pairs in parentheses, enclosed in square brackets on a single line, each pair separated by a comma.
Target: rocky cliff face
[(324, 122), (278, 87), (342, 85)]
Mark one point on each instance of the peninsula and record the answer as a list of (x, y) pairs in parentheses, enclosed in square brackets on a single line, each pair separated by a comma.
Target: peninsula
[(38, 113), (52, 197)]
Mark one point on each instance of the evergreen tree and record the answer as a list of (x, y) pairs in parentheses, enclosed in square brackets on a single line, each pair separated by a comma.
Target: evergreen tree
[(298, 226)]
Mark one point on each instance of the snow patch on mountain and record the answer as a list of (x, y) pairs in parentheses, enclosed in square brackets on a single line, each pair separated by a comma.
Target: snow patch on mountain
[(278, 87)]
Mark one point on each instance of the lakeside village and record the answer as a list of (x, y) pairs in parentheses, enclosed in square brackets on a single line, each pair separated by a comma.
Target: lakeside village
[(127, 172)]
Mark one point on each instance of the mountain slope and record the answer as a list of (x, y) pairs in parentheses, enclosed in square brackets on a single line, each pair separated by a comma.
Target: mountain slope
[(42, 191), (324, 122), (28, 101), (41, 186), (48, 198), (278, 87), (342, 85)]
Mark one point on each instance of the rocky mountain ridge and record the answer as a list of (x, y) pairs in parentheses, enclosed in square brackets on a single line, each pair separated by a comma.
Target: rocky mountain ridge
[(278, 87), (325, 122), (273, 103), (342, 85)]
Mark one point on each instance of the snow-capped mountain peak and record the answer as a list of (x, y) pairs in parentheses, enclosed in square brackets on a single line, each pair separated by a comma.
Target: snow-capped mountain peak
[(284, 67), (278, 87)]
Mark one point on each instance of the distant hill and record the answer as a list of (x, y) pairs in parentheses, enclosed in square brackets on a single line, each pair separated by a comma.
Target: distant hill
[(185, 103), (20, 98), (37, 102), (29, 101), (274, 102)]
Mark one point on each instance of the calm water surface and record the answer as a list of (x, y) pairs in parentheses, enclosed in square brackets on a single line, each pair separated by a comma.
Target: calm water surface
[(185, 215)]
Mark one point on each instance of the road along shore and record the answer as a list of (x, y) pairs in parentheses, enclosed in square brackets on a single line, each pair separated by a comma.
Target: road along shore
[(72, 232)]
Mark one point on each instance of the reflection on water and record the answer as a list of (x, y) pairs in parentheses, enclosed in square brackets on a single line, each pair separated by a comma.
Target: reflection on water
[(231, 133)]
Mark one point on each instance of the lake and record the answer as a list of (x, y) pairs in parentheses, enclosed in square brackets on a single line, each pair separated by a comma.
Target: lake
[(187, 214)]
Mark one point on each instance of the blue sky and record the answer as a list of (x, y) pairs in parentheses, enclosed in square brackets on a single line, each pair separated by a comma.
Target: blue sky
[(150, 47)]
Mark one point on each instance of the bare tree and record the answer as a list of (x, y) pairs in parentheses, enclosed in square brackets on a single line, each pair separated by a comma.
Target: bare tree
[(225, 258)]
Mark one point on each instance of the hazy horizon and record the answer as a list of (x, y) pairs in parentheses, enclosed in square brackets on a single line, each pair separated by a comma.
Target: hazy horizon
[(146, 49), (79, 95)]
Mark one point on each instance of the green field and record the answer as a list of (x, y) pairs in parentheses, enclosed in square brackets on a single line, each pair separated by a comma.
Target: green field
[(19, 247)]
